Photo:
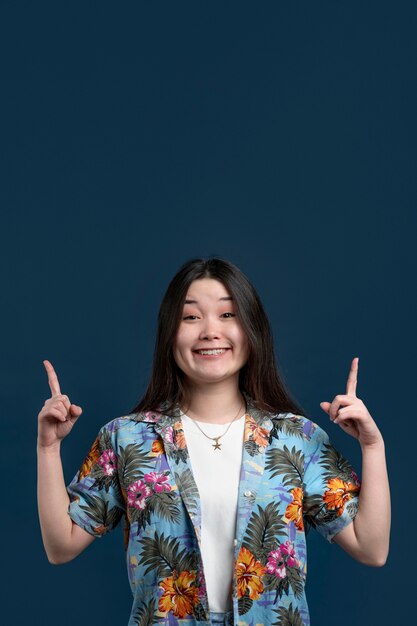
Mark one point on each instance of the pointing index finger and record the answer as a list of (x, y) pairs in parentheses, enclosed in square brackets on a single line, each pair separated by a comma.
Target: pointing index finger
[(52, 379), (353, 377)]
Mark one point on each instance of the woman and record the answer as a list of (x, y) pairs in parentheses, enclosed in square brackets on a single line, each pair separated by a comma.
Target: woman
[(217, 471)]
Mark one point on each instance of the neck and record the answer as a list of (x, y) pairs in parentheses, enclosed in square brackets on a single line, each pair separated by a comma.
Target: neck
[(217, 404)]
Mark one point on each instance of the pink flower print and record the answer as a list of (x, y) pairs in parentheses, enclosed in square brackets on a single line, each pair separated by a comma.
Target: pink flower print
[(151, 416), (137, 493), (287, 550), (108, 462), (275, 564), (202, 589), (159, 481), (168, 434)]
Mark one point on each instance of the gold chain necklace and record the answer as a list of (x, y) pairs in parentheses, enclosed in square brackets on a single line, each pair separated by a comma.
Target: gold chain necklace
[(216, 445)]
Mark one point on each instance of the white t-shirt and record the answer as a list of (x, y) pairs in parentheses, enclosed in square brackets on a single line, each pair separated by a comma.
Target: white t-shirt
[(216, 474)]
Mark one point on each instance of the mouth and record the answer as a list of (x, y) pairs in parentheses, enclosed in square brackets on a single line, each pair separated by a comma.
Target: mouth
[(211, 351)]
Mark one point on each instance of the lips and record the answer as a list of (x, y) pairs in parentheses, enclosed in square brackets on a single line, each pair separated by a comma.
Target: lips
[(210, 351)]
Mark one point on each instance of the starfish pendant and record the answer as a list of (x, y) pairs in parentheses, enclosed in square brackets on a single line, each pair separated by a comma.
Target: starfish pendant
[(217, 445)]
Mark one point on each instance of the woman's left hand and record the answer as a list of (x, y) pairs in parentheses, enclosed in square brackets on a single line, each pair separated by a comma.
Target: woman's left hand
[(351, 414)]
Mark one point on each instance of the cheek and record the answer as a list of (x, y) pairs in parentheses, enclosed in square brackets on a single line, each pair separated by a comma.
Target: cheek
[(179, 345), (242, 339)]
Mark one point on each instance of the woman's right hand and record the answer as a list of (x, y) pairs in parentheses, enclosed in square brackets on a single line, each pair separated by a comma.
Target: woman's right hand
[(57, 416)]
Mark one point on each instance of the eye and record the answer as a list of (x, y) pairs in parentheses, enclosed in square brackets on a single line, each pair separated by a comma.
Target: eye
[(187, 317), (231, 314)]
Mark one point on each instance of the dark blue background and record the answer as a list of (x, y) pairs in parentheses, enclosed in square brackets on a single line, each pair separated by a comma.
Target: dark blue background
[(135, 136)]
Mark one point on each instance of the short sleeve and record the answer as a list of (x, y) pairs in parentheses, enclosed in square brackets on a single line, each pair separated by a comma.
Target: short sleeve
[(331, 487), (96, 502)]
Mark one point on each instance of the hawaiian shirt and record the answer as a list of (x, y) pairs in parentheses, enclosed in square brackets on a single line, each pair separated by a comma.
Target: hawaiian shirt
[(292, 479)]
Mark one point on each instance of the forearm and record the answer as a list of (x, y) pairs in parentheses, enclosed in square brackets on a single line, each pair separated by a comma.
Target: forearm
[(53, 501), (373, 520)]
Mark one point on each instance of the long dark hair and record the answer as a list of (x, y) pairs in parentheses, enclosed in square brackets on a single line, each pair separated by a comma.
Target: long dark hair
[(259, 377)]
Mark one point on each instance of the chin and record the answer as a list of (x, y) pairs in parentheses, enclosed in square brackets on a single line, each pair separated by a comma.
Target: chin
[(219, 378)]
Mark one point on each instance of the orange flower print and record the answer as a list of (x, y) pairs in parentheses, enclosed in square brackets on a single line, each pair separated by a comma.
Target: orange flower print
[(294, 511), (157, 448), (338, 494), (180, 595), (91, 458), (255, 432), (249, 573), (179, 435)]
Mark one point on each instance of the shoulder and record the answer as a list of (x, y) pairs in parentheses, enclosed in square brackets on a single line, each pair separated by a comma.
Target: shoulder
[(298, 426), (129, 428), (131, 419)]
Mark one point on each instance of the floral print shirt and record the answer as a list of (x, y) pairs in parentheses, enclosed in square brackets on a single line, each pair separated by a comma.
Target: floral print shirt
[(292, 479)]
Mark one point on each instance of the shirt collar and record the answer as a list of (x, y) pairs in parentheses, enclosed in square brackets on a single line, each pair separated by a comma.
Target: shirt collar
[(259, 415)]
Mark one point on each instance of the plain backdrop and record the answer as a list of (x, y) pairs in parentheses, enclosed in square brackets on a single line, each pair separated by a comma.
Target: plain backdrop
[(135, 136)]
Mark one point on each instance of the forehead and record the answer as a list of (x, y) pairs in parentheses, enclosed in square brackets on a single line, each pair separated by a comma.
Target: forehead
[(207, 289)]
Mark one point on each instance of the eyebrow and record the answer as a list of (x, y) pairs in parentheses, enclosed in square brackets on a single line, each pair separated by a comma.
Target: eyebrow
[(228, 298)]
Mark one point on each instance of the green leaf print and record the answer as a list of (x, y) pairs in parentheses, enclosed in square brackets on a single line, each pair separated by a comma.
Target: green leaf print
[(290, 463), (159, 503), (289, 427), (101, 480), (132, 461), (279, 585), (295, 580), (335, 464), (312, 505), (188, 561), (104, 441), (288, 617), (144, 614), (180, 455), (186, 485), (162, 504), (316, 511), (263, 530), (97, 511), (292, 578), (141, 516), (164, 555), (244, 605), (251, 447)]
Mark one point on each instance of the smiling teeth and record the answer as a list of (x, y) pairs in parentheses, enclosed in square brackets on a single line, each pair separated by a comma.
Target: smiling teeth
[(220, 351)]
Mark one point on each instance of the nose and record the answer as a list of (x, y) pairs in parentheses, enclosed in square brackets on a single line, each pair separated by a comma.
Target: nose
[(209, 335), (210, 330)]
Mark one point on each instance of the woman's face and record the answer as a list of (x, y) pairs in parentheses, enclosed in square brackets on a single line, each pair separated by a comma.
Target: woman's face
[(210, 345)]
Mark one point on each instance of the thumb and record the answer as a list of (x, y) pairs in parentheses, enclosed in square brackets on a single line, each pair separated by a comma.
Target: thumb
[(75, 410), (325, 406)]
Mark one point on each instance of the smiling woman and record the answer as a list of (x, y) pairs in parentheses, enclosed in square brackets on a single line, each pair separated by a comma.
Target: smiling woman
[(215, 532), (205, 300)]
